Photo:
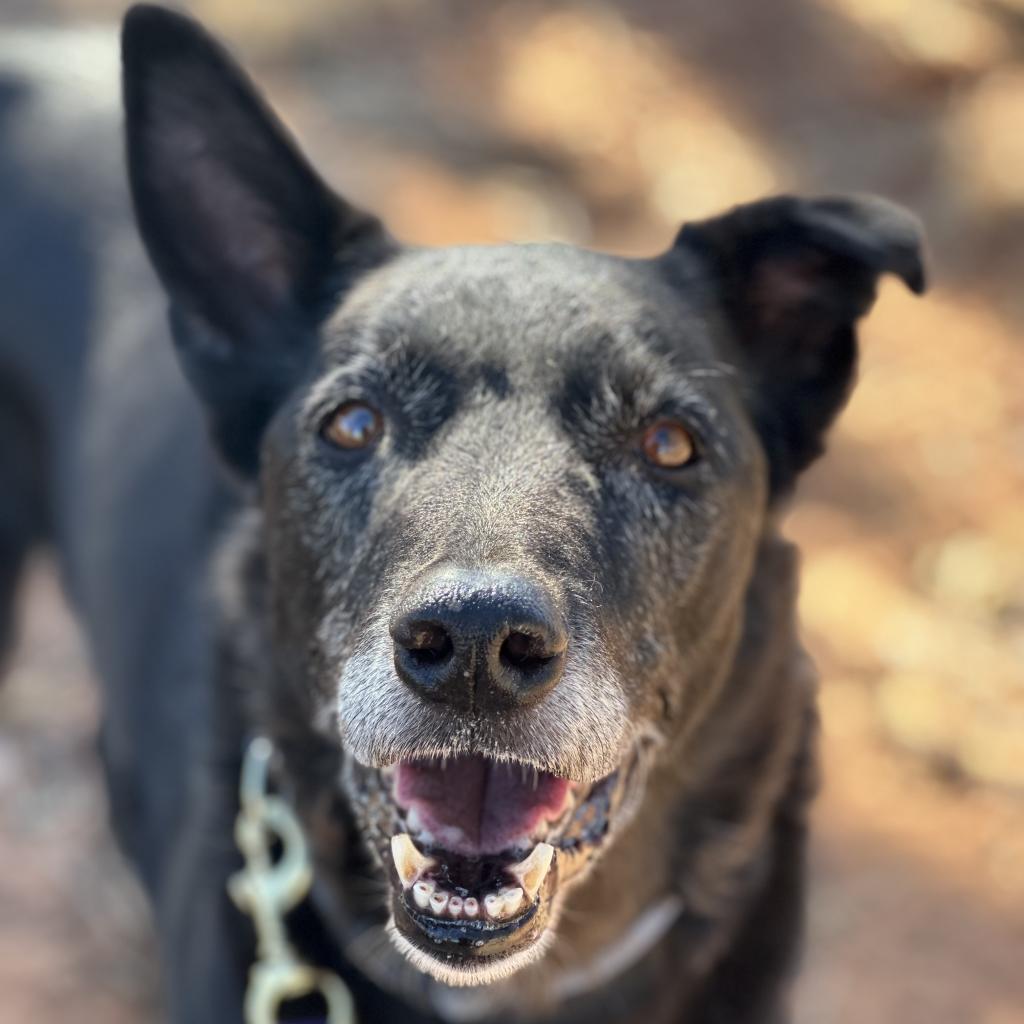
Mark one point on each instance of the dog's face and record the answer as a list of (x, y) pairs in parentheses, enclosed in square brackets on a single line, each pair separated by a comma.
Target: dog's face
[(520, 497), (511, 496)]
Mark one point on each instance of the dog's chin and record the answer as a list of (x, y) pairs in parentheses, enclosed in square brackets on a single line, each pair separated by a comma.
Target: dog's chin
[(479, 854)]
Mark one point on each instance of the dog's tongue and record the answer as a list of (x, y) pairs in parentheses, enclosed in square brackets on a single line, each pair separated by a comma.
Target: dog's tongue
[(476, 806)]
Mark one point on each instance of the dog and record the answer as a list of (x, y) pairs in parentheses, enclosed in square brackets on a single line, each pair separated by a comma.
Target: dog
[(484, 540)]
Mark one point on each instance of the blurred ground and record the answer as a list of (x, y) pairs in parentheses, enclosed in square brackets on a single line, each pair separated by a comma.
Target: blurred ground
[(608, 126)]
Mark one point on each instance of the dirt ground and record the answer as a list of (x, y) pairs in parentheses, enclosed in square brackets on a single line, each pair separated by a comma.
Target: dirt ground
[(608, 125)]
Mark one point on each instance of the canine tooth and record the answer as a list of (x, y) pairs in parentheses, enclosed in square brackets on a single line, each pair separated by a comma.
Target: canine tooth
[(438, 902), (409, 862), (470, 907), (531, 872), (455, 906), (421, 893)]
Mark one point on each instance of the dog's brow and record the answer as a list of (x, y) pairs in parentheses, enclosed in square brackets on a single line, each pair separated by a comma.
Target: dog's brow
[(326, 390), (403, 374), (634, 390)]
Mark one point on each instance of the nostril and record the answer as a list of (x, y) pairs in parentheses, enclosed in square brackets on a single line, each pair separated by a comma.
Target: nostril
[(427, 643), (525, 653)]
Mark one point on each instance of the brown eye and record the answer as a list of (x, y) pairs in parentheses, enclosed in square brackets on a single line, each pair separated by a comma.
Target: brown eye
[(353, 425), (668, 444)]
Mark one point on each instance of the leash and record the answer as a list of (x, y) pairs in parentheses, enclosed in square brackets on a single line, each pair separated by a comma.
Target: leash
[(266, 890)]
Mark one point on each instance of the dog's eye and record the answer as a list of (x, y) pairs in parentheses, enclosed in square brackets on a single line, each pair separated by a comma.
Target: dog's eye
[(353, 425), (668, 444)]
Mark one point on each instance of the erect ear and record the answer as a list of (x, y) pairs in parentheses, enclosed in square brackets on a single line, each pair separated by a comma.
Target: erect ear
[(794, 276), (252, 247)]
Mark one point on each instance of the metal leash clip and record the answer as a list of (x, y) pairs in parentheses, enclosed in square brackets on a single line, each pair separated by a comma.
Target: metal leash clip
[(266, 891)]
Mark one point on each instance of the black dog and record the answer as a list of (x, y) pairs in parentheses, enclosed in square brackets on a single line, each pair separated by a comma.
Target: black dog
[(495, 565)]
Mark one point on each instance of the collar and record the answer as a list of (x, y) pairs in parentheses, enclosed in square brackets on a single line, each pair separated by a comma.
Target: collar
[(461, 1006)]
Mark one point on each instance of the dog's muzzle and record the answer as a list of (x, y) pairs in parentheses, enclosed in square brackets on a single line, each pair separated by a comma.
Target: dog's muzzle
[(487, 766)]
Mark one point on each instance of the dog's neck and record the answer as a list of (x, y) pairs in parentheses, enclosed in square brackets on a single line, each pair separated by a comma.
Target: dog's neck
[(683, 870)]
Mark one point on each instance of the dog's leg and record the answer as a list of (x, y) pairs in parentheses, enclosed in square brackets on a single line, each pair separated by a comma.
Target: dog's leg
[(751, 985), (207, 944), (23, 506)]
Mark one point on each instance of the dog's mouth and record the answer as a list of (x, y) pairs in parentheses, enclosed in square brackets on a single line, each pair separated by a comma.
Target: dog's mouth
[(478, 852)]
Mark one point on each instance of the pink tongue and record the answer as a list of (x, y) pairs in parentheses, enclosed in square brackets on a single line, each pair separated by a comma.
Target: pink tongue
[(476, 806)]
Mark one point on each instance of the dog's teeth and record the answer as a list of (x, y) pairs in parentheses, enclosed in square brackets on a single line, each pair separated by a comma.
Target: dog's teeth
[(501, 905), (511, 900), (530, 873), (470, 908), (409, 862), (455, 906), (438, 902), (421, 893)]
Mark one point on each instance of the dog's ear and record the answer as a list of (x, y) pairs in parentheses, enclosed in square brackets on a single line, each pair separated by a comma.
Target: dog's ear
[(794, 276), (252, 247)]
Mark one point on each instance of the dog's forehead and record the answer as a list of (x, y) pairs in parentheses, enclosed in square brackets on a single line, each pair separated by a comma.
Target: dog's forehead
[(519, 303)]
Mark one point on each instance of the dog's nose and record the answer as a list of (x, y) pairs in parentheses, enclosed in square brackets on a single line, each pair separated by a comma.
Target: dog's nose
[(481, 640)]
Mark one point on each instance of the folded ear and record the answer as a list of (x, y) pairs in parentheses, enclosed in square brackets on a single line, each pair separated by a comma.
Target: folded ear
[(794, 276), (252, 247)]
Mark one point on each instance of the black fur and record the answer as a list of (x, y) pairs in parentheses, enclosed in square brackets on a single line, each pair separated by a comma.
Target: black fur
[(514, 384)]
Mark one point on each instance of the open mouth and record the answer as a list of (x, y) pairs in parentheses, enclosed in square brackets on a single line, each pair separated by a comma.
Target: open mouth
[(478, 852)]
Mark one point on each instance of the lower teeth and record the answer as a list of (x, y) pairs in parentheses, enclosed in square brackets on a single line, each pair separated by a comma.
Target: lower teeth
[(421, 893), (502, 905)]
